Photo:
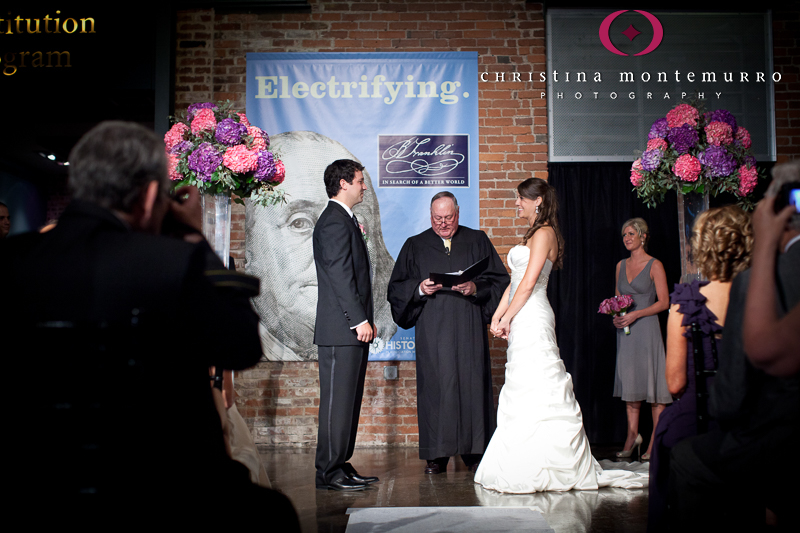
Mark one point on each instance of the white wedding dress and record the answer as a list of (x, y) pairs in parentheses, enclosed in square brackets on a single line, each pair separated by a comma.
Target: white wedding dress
[(540, 444)]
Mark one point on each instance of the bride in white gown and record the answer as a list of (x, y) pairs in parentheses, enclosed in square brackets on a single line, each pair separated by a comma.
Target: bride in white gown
[(540, 443)]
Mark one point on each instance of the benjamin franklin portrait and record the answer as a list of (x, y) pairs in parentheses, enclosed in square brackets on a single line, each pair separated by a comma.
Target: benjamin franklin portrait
[(279, 249)]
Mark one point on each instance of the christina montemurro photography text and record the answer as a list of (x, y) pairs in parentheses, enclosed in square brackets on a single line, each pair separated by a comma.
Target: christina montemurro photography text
[(664, 92)]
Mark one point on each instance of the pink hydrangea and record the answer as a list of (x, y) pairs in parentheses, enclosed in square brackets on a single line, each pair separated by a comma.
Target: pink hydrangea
[(743, 136), (280, 172), (657, 143), (682, 114), (175, 135), (239, 159), (258, 143), (636, 173), (204, 121), (172, 166), (719, 133), (687, 168), (747, 180), (243, 119)]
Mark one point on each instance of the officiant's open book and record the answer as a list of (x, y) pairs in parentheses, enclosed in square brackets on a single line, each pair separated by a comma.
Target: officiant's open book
[(457, 278)]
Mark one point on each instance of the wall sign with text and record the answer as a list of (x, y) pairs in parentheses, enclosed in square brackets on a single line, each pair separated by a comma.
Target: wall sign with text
[(423, 160)]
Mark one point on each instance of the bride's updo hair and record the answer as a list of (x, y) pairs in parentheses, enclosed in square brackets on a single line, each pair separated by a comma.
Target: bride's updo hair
[(533, 188)]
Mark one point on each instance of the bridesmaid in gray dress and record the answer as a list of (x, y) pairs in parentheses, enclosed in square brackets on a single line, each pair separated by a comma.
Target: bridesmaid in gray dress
[(640, 374)]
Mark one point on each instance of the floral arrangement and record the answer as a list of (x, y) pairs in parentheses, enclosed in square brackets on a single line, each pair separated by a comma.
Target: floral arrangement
[(217, 150), (693, 151), (617, 305), (363, 232)]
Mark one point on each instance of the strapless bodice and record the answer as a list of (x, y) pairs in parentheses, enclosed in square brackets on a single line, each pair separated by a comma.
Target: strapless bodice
[(518, 258)]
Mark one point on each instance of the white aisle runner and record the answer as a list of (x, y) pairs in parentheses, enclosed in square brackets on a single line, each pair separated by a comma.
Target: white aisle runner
[(445, 519)]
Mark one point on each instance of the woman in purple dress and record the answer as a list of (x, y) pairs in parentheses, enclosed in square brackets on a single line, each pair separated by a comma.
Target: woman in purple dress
[(722, 240)]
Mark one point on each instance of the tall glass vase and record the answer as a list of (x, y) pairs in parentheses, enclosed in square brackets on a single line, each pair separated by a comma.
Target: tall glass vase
[(217, 224), (690, 206)]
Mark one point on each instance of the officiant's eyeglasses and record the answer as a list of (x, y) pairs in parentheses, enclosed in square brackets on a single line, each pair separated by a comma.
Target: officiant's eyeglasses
[(448, 219)]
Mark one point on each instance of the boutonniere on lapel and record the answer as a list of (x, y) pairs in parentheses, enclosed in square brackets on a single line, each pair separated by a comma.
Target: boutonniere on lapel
[(363, 232)]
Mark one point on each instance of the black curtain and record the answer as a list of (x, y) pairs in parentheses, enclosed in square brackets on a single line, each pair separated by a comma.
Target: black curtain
[(595, 200)]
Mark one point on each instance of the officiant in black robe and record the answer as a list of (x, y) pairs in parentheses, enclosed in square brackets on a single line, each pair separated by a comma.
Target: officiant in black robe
[(455, 407)]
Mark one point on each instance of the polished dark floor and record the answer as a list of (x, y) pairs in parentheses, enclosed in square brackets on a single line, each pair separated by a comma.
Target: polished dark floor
[(403, 484)]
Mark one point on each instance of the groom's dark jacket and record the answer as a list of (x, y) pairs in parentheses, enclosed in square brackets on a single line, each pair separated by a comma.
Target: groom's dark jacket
[(343, 274)]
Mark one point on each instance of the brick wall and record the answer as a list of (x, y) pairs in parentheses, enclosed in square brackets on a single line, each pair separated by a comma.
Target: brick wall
[(786, 45), (280, 400)]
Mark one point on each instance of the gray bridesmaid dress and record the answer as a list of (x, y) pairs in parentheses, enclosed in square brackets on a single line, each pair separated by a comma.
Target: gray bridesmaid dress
[(640, 373)]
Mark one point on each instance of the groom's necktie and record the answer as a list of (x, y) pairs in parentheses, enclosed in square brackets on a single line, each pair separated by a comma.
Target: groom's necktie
[(356, 221)]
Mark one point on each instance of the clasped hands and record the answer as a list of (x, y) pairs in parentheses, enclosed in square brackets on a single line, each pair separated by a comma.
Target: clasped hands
[(428, 287), (500, 327)]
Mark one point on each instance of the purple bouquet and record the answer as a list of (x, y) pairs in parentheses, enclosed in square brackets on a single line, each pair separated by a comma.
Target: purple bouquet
[(216, 149), (692, 151)]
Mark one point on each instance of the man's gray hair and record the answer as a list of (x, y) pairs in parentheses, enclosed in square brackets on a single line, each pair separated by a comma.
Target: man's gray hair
[(444, 194), (786, 173), (112, 163)]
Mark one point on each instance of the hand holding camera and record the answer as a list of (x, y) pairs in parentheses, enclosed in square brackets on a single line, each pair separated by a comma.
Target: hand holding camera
[(184, 219)]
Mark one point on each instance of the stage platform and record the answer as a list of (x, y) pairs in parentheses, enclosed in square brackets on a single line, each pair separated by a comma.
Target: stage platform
[(404, 484)]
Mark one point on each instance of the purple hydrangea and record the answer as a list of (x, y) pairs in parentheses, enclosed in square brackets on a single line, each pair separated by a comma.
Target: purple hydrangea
[(717, 161), (181, 147), (683, 139), (204, 161), (659, 129), (229, 132), (194, 108), (721, 115), (266, 166), (651, 159)]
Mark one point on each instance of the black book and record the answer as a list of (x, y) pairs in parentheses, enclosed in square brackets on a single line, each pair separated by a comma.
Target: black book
[(457, 278)]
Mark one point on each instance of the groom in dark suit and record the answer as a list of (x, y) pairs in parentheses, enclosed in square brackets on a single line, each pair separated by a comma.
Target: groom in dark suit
[(344, 326)]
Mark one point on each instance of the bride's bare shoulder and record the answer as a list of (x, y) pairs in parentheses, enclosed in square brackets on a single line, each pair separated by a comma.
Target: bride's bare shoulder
[(545, 241), (543, 238), (545, 233)]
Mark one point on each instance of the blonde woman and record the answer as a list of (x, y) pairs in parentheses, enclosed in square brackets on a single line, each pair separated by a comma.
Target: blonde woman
[(639, 375)]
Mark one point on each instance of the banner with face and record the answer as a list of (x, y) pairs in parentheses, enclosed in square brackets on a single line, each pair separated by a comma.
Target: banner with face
[(410, 118)]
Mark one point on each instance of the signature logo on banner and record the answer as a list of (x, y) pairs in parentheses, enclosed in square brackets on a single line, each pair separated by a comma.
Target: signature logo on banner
[(631, 32), (423, 160)]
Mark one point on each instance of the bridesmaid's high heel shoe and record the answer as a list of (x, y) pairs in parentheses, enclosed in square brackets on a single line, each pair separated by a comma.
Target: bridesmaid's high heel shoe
[(636, 444)]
